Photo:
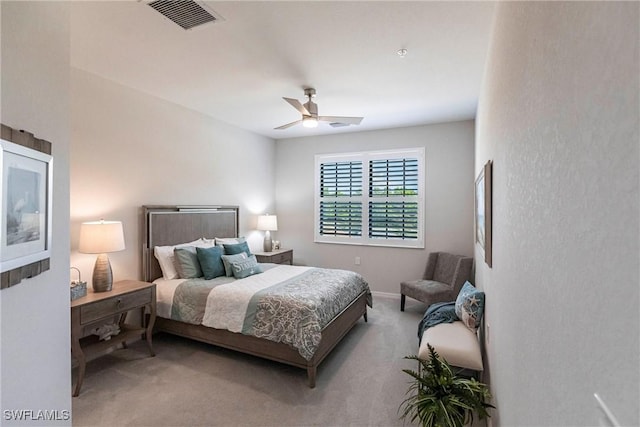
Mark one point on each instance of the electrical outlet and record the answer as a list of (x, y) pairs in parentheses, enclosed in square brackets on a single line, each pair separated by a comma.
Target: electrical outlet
[(357, 260)]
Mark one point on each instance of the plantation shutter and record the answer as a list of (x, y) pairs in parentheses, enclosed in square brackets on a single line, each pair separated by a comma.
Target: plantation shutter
[(340, 182), (393, 203)]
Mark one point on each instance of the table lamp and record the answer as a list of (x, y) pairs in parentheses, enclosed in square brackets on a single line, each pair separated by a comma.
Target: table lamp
[(101, 237), (267, 223)]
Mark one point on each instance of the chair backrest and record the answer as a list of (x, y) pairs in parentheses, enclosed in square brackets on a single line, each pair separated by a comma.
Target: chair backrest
[(447, 268)]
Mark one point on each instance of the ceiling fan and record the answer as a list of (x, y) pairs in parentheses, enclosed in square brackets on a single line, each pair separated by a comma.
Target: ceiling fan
[(310, 117)]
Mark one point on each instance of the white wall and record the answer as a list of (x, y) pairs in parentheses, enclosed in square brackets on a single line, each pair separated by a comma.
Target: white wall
[(559, 117), (130, 149), (449, 152), (34, 315)]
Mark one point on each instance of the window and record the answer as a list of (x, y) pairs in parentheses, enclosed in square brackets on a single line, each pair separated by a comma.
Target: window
[(370, 198)]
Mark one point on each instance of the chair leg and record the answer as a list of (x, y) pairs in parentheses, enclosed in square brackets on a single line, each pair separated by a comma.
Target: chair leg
[(402, 300)]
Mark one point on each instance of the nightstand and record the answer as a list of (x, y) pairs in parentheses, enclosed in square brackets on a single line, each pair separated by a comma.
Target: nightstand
[(278, 256), (99, 308)]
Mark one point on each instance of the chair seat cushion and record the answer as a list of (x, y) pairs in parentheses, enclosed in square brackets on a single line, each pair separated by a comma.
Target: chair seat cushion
[(424, 290), (456, 343)]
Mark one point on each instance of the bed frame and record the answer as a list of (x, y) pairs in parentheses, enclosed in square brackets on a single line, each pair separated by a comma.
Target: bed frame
[(170, 225)]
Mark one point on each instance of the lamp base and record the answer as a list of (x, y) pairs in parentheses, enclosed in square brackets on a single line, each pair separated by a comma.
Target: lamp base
[(268, 244), (102, 280)]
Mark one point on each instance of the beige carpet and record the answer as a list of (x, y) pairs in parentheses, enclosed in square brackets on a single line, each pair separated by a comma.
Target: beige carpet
[(360, 383)]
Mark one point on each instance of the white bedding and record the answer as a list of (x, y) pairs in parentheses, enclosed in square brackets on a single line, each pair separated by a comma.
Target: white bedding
[(227, 304), (165, 288)]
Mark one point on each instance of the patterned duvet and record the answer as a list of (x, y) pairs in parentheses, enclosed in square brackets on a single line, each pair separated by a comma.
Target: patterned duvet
[(286, 304)]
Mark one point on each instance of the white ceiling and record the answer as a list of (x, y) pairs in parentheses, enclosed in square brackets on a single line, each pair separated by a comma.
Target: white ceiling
[(238, 70)]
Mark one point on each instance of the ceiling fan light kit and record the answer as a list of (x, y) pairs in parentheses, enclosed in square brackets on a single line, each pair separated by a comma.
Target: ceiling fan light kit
[(309, 122), (310, 117)]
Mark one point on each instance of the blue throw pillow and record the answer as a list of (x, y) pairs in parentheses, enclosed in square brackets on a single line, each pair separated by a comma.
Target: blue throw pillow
[(470, 306), (245, 267), (237, 248), (221, 241), (211, 262), (228, 259)]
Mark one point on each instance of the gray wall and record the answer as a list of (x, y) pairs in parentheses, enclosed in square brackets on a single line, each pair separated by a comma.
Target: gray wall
[(34, 315), (130, 149), (559, 117), (449, 153)]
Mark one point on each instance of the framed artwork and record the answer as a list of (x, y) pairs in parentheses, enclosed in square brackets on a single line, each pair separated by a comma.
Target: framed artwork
[(483, 210), (25, 191)]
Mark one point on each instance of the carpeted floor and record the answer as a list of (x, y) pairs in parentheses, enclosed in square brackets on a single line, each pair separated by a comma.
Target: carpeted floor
[(360, 383)]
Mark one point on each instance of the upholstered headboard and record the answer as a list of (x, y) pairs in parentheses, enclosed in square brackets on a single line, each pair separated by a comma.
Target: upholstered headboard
[(172, 225)]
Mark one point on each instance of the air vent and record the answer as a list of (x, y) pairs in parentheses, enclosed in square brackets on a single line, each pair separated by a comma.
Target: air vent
[(186, 13)]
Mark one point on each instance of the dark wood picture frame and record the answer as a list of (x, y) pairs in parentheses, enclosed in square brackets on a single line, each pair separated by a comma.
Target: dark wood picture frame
[(25, 253), (483, 214)]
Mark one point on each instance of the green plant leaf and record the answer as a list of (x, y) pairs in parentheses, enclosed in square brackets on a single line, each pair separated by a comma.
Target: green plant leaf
[(439, 397)]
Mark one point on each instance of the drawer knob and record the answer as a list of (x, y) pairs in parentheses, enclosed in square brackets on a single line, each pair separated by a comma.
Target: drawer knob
[(119, 303)]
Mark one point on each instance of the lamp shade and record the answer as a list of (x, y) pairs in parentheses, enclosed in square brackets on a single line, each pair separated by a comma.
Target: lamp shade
[(268, 223), (99, 237)]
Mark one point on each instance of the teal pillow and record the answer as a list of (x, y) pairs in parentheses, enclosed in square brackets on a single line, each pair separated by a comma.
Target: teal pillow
[(228, 240), (470, 306), (228, 259), (186, 261), (236, 248), (211, 262), (245, 267)]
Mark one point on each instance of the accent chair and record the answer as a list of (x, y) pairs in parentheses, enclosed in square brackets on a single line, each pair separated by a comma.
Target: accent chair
[(443, 278)]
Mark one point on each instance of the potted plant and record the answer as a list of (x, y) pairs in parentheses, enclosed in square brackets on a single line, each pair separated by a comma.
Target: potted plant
[(438, 397)]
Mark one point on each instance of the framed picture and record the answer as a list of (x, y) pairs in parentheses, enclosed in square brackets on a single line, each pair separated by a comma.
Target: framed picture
[(25, 191), (483, 210)]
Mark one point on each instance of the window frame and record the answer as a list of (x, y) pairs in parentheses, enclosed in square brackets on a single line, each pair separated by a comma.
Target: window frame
[(365, 157)]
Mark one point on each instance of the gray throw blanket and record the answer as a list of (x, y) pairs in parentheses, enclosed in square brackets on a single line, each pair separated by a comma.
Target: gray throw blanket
[(441, 312)]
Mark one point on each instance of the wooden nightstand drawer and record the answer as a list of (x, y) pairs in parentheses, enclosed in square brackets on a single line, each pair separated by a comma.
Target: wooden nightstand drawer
[(279, 258), (120, 303)]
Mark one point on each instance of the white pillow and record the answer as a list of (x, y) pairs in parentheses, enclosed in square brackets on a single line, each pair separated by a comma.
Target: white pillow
[(164, 255)]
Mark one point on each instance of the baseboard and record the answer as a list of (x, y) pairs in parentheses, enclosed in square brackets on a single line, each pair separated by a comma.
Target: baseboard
[(389, 295)]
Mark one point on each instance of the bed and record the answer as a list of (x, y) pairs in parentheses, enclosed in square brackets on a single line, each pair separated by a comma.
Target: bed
[(165, 226)]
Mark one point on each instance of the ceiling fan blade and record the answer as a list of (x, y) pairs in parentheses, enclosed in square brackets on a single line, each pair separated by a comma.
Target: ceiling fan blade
[(288, 125), (298, 106), (341, 120)]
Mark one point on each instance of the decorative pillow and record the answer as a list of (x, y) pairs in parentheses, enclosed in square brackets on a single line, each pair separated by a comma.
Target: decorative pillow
[(211, 262), (245, 267), (228, 259), (470, 306), (229, 240), (165, 257), (187, 263), (232, 249)]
